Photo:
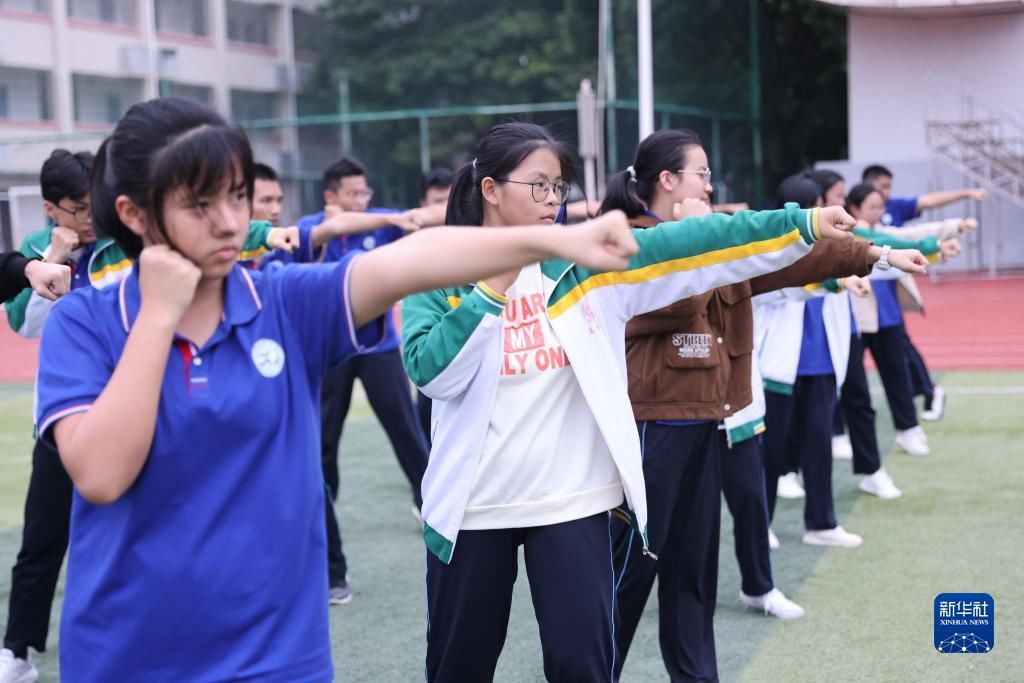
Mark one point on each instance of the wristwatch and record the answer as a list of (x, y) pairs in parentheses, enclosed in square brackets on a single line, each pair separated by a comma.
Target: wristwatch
[(883, 260)]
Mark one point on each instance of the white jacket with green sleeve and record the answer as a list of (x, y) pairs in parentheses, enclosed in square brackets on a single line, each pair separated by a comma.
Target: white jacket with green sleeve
[(453, 343)]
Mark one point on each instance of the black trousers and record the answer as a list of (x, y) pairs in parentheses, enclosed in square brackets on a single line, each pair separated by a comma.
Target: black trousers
[(856, 412), (920, 379), (423, 407), (387, 388), (684, 510), (44, 542), (571, 582), (744, 487), (888, 348), (803, 421)]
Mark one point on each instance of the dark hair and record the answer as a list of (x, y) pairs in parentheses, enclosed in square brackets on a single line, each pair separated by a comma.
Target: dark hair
[(858, 193), (65, 175), (439, 178), (264, 172), (497, 154), (875, 171), (157, 147), (664, 150), (826, 179), (799, 188), (342, 168)]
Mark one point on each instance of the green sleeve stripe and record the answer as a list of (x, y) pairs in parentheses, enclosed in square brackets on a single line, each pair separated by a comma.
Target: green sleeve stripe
[(433, 332), (437, 544), (778, 387), (688, 244)]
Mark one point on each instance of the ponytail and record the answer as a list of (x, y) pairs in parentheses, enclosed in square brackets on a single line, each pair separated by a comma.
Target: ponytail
[(498, 154), (632, 190)]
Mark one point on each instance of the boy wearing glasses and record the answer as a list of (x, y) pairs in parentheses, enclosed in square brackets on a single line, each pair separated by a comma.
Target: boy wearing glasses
[(380, 370), (68, 240)]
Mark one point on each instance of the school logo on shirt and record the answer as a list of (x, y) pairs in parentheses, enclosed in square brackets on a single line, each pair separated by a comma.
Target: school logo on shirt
[(964, 623), (268, 357)]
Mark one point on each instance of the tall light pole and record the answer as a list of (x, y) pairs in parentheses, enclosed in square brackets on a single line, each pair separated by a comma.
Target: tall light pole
[(645, 68)]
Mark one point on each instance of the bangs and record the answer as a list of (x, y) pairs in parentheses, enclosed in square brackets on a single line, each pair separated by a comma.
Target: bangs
[(204, 161)]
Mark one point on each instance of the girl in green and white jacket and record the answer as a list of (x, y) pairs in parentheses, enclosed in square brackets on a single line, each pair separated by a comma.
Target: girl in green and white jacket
[(533, 434)]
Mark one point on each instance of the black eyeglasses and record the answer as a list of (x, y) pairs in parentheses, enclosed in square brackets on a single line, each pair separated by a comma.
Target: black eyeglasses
[(542, 188), (82, 214)]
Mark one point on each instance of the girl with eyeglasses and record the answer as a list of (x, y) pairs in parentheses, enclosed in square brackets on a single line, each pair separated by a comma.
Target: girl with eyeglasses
[(691, 387), (533, 434)]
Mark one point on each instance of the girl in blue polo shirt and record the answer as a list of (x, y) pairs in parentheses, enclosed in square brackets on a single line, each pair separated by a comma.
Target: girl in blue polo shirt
[(183, 403)]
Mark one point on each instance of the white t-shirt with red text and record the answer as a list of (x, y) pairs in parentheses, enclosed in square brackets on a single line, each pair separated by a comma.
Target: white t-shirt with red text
[(544, 459)]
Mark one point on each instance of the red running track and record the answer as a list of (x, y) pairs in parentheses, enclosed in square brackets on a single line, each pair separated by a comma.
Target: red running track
[(968, 325)]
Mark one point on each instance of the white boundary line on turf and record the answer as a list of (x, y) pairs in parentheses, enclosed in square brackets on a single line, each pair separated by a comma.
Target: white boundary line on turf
[(978, 391)]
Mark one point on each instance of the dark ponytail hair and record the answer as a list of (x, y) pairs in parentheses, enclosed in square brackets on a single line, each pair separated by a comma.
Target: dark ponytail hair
[(631, 190), (158, 147), (826, 179), (856, 196), (498, 154)]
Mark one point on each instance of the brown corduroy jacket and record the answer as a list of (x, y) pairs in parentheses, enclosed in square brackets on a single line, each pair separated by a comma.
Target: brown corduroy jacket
[(691, 360)]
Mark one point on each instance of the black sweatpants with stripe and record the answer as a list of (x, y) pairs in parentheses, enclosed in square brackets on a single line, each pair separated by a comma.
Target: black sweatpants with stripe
[(684, 506), (569, 567)]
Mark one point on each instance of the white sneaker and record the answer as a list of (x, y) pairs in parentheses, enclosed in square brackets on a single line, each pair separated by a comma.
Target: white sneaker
[(880, 484), (789, 487), (842, 449), (15, 670), (773, 540), (913, 441), (837, 537), (938, 405), (774, 603)]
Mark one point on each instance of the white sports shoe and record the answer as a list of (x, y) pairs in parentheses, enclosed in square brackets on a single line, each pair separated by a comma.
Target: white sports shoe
[(774, 603), (773, 540), (15, 670), (880, 484), (789, 487), (837, 537), (938, 405), (913, 441), (842, 449)]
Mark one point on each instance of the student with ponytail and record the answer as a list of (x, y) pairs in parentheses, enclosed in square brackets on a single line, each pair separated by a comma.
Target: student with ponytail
[(689, 368), (533, 434), (184, 404)]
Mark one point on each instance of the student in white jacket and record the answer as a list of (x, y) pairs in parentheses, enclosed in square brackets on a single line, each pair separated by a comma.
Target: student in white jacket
[(533, 434)]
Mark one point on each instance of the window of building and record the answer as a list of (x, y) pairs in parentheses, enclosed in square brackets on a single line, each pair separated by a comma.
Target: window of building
[(253, 24), (115, 12)]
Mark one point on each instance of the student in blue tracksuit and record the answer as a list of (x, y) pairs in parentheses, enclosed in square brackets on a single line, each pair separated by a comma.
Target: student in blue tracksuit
[(899, 210), (184, 405), (379, 370)]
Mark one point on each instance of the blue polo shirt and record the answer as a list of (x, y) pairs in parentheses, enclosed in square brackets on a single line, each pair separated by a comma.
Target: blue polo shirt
[(337, 248), (898, 210), (210, 567), (815, 358)]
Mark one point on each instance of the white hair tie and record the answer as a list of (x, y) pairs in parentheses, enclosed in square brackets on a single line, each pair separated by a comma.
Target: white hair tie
[(632, 173)]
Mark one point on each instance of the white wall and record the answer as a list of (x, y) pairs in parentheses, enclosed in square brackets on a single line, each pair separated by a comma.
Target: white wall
[(904, 70)]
